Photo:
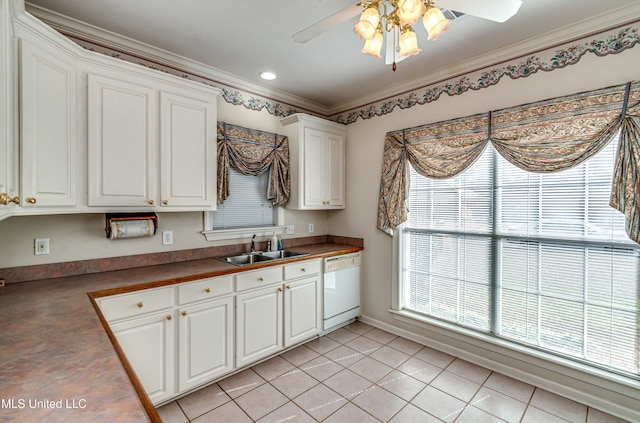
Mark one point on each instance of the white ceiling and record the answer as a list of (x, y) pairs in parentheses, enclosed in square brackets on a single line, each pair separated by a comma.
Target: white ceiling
[(249, 36)]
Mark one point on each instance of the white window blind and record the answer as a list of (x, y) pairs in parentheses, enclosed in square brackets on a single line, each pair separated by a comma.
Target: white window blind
[(449, 245), (247, 204), (539, 259)]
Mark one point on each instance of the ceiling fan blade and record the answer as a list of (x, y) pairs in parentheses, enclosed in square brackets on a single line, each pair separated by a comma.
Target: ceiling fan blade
[(493, 10), (330, 22)]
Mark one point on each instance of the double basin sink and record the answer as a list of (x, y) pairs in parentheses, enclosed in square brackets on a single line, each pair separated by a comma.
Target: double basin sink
[(258, 257)]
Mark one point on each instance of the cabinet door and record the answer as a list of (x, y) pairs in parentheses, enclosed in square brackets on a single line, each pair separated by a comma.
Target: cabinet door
[(258, 324), (48, 106), (205, 342), (335, 170), (123, 140), (148, 344), (323, 169), (8, 103), (314, 168), (188, 150), (301, 310)]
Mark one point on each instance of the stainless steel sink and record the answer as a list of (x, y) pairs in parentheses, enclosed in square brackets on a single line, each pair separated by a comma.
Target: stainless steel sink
[(251, 258), (246, 259), (283, 254)]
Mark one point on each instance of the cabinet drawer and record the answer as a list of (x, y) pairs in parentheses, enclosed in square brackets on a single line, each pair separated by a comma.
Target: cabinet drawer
[(301, 269), (258, 278), (136, 303), (204, 289)]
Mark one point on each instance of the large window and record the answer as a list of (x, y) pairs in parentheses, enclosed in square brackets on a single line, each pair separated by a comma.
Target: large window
[(538, 259)]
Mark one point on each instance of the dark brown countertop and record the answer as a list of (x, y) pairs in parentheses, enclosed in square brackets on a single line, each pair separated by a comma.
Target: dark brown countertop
[(57, 362)]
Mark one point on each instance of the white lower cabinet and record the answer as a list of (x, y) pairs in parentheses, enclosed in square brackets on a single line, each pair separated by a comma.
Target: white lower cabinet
[(148, 343), (259, 324), (205, 342), (179, 337), (301, 310), (279, 316)]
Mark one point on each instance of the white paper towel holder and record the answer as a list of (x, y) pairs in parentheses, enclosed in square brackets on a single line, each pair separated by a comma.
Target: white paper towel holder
[(109, 217)]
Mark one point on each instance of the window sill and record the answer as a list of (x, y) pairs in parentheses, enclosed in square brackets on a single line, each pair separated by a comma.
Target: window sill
[(242, 233), (574, 380)]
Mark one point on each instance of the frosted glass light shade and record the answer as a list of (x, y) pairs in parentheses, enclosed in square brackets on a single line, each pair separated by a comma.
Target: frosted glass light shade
[(409, 11), (372, 47), (366, 26), (408, 43), (435, 23)]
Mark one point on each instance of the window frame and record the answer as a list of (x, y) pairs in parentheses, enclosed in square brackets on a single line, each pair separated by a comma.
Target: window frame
[(244, 232), (401, 247), (241, 233)]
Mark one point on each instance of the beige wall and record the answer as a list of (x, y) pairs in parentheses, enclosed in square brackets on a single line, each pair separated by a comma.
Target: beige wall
[(80, 237)]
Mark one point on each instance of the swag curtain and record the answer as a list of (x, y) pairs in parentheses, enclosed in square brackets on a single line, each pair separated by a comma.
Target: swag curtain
[(546, 136), (625, 193), (441, 150), (252, 152)]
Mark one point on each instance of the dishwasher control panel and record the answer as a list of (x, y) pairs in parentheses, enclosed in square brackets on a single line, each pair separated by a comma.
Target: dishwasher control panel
[(332, 264)]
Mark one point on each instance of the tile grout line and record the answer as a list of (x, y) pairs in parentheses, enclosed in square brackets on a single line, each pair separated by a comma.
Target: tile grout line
[(392, 363)]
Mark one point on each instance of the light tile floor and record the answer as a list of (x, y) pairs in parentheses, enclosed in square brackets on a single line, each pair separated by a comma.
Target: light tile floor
[(363, 374)]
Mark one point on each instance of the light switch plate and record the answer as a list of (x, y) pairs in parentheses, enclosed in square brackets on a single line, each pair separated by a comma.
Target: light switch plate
[(290, 230)]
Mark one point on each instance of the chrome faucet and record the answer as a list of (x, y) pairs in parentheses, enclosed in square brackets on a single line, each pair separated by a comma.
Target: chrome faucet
[(253, 244)]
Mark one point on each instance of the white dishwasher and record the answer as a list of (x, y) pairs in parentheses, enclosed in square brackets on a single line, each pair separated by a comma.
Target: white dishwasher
[(341, 291)]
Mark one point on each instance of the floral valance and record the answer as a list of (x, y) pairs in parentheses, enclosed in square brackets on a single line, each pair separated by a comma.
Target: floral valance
[(545, 136), (252, 152)]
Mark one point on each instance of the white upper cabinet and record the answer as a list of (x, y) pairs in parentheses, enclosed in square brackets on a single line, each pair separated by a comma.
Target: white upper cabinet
[(151, 144), (188, 149), (8, 105), (83, 132), (317, 154), (123, 142), (48, 126)]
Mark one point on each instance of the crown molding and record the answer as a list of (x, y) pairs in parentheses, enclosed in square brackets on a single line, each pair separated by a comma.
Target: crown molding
[(588, 27), (74, 28)]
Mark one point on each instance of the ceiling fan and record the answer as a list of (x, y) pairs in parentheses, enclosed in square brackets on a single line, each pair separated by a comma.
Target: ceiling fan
[(493, 10)]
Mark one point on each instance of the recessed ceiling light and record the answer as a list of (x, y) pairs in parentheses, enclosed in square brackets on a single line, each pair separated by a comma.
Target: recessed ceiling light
[(267, 76)]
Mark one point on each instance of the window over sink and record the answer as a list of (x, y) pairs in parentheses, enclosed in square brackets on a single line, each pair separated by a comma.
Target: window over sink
[(246, 212)]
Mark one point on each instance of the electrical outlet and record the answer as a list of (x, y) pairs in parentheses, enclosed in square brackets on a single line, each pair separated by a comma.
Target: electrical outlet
[(167, 237), (290, 230), (311, 228), (41, 246)]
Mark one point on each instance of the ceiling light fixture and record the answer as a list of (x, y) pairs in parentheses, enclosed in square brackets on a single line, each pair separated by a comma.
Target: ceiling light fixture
[(404, 14), (267, 76)]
